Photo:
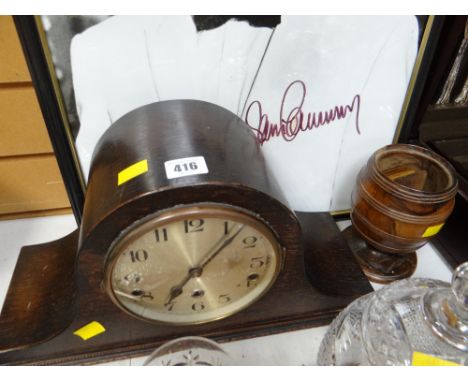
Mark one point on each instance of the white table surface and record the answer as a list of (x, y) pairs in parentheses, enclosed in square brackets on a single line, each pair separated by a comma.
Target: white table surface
[(291, 348)]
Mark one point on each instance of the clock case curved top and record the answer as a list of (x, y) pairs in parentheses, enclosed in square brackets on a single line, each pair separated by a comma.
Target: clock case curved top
[(159, 132)]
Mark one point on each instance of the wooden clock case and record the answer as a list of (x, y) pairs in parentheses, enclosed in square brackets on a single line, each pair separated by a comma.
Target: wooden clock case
[(57, 287)]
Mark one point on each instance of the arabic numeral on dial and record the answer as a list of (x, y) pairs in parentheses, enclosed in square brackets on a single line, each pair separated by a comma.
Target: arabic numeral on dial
[(195, 225), (138, 256), (249, 242), (198, 306), (161, 235), (224, 298), (226, 228), (252, 279), (257, 262)]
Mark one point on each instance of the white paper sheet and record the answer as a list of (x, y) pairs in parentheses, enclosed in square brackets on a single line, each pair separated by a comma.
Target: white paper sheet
[(361, 65), (346, 76)]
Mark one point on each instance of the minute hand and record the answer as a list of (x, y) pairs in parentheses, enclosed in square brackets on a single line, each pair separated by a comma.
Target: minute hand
[(212, 255), (197, 270)]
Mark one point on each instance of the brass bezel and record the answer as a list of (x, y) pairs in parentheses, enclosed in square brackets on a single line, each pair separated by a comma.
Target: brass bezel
[(178, 213)]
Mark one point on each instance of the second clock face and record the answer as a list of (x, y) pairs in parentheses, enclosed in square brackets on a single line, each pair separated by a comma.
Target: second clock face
[(193, 264)]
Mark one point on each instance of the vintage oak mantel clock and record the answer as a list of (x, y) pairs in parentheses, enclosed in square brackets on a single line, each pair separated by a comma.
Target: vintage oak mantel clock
[(193, 229), (184, 232)]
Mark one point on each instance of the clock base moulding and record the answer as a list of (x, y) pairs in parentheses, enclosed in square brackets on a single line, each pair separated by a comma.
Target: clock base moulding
[(44, 306)]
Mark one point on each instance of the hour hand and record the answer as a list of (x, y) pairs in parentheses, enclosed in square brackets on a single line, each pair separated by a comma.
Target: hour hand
[(177, 290)]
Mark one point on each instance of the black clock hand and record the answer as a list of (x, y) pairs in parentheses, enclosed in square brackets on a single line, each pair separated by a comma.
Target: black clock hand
[(177, 290), (210, 257), (197, 270), (136, 295)]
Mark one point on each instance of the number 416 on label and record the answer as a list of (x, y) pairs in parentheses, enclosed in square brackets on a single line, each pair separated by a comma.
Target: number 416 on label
[(178, 168)]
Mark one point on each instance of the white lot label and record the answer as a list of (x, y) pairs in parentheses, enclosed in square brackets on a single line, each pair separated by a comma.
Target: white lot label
[(178, 168)]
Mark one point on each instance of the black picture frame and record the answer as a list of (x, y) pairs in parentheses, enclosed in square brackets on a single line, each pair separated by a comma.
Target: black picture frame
[(52, 108)]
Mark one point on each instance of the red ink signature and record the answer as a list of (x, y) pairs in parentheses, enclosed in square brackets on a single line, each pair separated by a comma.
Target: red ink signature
[(292, 123)]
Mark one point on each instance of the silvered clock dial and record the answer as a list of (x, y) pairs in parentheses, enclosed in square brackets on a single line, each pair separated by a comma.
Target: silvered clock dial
[(192, 264)]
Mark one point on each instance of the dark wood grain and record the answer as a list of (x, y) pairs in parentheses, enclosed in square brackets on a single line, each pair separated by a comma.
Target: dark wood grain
[(293, 303), (166, 131), (329, 263), (237, 177), (40, 301)]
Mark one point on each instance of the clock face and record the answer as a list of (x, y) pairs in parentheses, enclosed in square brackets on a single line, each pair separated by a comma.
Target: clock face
[(192, 264)]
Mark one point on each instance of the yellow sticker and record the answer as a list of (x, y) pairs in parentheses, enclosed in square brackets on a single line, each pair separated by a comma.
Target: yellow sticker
[(421, 359), (132, 171), (431, 231), (91, 330)]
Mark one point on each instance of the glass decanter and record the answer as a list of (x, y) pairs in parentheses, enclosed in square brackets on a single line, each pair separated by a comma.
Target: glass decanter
[(412, 321)]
